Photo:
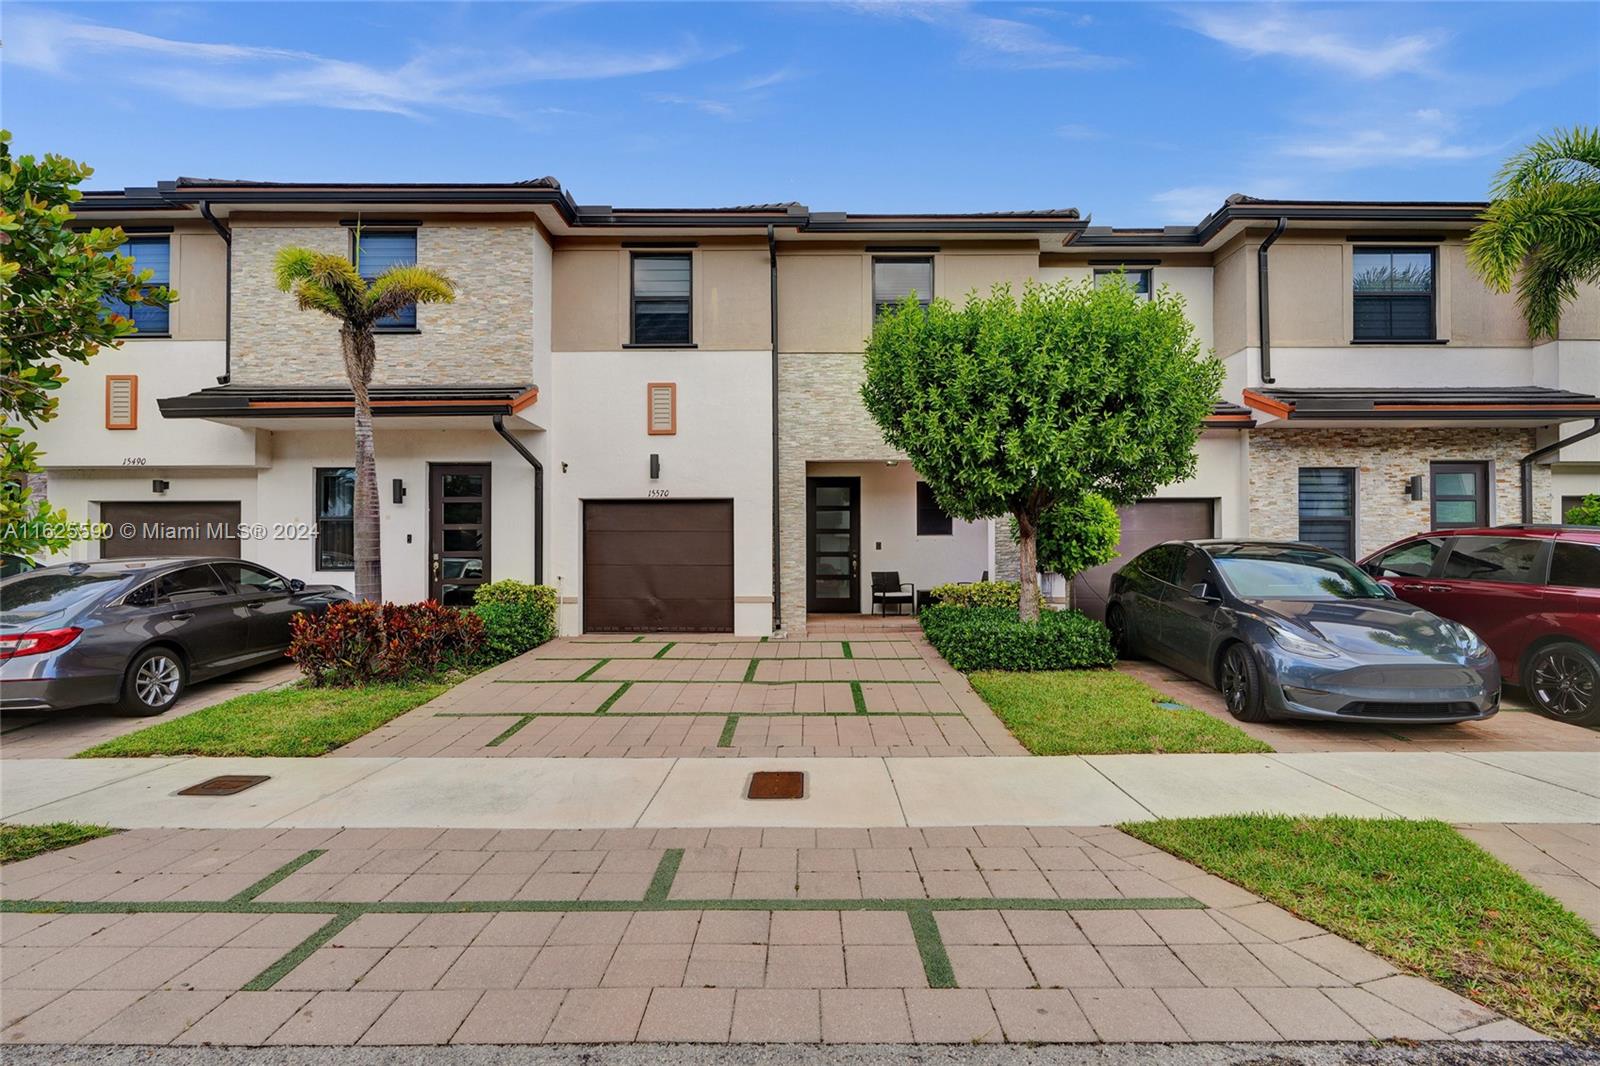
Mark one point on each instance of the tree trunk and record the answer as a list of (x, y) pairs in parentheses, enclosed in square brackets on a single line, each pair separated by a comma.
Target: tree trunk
[(360, 356), (1028, 551)]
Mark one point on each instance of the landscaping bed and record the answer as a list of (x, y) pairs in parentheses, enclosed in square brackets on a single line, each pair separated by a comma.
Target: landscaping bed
[(18, 842), (1420, 895), (1101, 712)]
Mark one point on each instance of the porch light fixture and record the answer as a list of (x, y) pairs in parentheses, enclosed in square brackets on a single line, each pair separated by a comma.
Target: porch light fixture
[(398, 488), (1414, 489), (655, 467), (891, 462), (158, 486)]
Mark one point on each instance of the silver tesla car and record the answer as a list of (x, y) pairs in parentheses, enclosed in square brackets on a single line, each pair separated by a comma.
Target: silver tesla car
[(136, 632), (1296, 631)]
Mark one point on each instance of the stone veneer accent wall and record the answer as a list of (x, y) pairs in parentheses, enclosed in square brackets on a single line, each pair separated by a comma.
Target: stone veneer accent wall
[(1385, 459), (485, 336), (820, 419)]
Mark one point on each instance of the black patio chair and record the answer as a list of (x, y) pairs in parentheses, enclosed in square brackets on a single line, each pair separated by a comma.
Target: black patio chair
[(887, 588)]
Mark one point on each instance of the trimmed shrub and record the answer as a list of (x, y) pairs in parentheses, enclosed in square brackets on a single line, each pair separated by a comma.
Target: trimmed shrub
[(517, 617), (1585, 513), (977, 594), (369, 643), (994, 638)]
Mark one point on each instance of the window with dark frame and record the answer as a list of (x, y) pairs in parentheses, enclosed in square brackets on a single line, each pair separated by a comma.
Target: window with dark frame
[(1458, 495), (663, 298), (1394, 294), (1137, 280), (155, 255), (376, 251), (336, 527), (895, 279), (1328, 508), (931, 519)]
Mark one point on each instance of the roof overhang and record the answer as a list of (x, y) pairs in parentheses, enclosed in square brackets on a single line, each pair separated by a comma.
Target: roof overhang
[(1225, 415), (1529, 405), (1240, 212), (253, 405)]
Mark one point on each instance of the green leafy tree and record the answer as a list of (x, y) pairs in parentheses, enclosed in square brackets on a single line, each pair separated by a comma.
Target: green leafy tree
[(1541, 232), (1009, 407), (332, 284), (55, 281), (1077, 535), (1586, 512)]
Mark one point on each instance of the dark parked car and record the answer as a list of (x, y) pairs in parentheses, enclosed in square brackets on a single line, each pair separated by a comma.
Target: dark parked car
[(1532, 592), (136, 632), (1296, 631)]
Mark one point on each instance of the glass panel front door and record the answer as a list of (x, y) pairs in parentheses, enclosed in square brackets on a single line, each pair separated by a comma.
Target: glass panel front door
[(833, 543), (458, 549)]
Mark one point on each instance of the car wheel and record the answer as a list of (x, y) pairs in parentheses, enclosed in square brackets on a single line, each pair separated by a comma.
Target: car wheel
[(1117, 626), (1240, 682), (153, 683), (1563, 680)]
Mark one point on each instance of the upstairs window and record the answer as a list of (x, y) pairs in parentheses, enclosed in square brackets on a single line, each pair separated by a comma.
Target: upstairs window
[(376, 251), (663, 296), (1394, 289), (155, 255), (1137, 280), (931, 519), (336, 526), (895, 279)]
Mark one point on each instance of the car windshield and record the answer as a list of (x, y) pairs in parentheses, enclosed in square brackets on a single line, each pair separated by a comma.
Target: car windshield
[(42, 592), (1293, 574)]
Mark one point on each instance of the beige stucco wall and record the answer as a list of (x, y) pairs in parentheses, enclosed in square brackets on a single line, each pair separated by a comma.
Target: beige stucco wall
[(200, 265), (1233, 305), (1385, 460), (486, 334)]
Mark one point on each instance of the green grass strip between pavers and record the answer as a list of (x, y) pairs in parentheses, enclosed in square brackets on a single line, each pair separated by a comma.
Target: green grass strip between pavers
[(512, 730), (728, 729), (275, 876), (668, 646), (750, 671), (19, 842), (581, 677), (614, 697), (666, 873), (930, 945), (844, 645), (704, 681), (301, 952), (699, 714), (858, 697)]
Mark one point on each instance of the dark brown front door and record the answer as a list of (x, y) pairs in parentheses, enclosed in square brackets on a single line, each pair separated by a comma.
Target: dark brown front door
[(170, 528), (833, 544), (662, 566), (458, 532)]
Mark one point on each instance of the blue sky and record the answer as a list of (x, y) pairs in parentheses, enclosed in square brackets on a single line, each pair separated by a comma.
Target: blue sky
[(1141, 114)]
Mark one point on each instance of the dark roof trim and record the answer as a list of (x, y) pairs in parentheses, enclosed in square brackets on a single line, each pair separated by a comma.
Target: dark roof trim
[(316, 401), (1513, 403), (1248, 209), (1225, 415)]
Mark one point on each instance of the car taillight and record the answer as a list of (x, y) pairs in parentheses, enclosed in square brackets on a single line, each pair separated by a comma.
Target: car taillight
[(37, 642)]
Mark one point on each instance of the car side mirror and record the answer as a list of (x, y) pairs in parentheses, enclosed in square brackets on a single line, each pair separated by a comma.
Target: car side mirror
[(296, 585), (1202, 591)]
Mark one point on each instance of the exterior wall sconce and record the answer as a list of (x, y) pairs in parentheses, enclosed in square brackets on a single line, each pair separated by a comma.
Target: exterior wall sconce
[(891, 462), (158, 486), (398, 487), (1414, 489), (655, 467)]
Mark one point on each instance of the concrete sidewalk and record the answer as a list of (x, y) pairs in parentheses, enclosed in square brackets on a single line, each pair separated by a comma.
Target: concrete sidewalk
[(1547, 787)]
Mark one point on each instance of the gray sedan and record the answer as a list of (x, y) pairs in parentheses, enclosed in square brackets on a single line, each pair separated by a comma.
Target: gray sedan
[(1296, 631), (136, 632)]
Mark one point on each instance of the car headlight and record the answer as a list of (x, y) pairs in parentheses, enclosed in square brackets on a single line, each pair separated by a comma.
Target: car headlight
[(1464, 638), (1293, 642)]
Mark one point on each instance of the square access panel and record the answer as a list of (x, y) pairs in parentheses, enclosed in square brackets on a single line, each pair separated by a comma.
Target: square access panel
[(776, 785), (226, 785)]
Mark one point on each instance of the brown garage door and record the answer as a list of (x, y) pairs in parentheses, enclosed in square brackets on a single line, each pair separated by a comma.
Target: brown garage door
[(658, 566), (1144, 525), (170, 529)]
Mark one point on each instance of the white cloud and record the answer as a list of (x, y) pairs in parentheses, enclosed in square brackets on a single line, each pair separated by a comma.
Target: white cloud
[(244, 76), (1299, 33), (1188, 204), (718, 108), (1364, 148), (992, 41)]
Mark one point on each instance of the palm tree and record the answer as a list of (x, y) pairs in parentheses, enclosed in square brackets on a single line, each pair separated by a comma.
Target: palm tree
[(1542, 230), (329, 283)]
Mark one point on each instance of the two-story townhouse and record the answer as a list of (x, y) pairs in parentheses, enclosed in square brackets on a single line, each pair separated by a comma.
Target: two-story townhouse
[(657, 410)]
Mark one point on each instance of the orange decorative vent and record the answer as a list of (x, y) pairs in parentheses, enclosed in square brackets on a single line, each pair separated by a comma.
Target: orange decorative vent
[(122, 401), (661, 416)]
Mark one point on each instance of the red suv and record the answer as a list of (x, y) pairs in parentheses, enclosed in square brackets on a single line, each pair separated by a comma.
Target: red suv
[(1531, 592)]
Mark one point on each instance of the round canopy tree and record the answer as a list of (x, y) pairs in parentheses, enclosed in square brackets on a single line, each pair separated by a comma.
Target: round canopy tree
[(1015, 407)]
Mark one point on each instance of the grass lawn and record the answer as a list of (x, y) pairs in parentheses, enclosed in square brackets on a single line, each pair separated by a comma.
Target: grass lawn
[(1101, 712), (286, 721), (18, 842), (1419, 894)]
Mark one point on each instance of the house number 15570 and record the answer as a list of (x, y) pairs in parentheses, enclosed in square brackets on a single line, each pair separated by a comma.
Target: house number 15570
[(659, 492)]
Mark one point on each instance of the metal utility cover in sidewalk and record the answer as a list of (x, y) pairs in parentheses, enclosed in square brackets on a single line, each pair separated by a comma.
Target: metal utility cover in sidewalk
[(776, 785), (225, 785)]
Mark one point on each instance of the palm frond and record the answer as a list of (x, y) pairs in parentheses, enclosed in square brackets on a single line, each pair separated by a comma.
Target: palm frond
[(1560, 156), (336, 278), (310, 296), (400, 287)]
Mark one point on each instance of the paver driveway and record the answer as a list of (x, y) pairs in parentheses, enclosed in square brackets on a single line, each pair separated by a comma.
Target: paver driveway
[(428, 936), (881, 693)]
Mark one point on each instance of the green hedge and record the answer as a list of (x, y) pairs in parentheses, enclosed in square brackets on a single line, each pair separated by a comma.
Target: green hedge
[(517, 617), (977, 594), (994, 638)]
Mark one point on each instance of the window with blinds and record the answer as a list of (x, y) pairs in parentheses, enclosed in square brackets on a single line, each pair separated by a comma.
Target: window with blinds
[(1137, 280), (662, 295), (661, 413), (895, 279), (1394, 290), (1328, 508), (122, 401), (379, 250), (155, 255)]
